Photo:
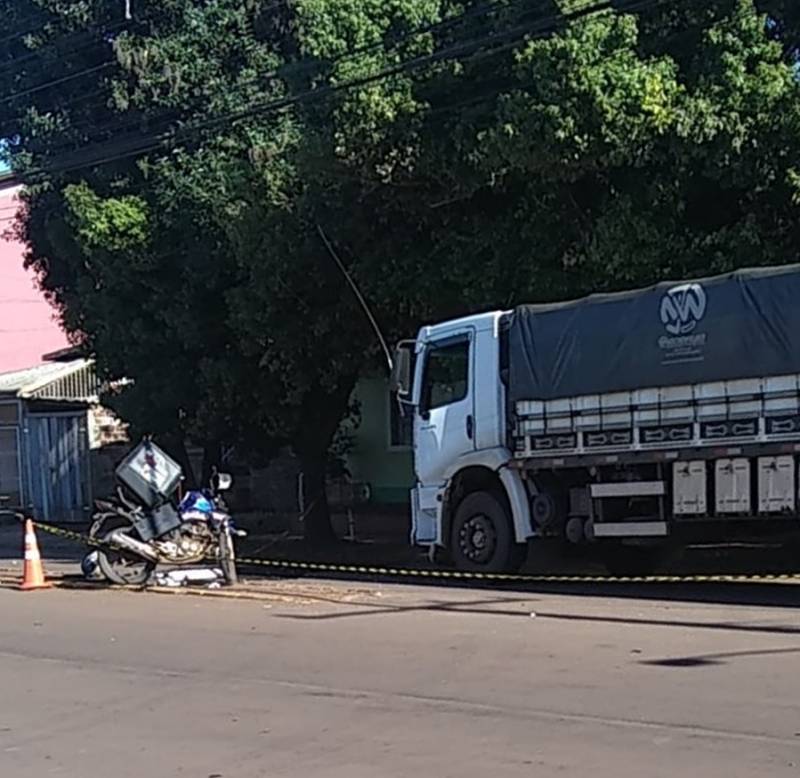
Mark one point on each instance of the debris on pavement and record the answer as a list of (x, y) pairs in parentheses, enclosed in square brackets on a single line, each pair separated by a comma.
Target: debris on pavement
[(186, 577)]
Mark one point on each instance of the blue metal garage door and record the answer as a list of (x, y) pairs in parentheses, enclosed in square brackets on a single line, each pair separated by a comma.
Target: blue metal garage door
[(58, 468)]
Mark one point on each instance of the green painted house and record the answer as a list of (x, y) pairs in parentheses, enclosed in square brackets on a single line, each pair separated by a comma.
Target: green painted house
[(381, 451)]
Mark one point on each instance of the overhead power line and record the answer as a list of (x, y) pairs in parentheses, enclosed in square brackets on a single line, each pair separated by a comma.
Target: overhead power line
[(168, 117), (295, 68), (53, 46), (28, 31), (99, 30), (54, 18), (143, 144), (56, 82)]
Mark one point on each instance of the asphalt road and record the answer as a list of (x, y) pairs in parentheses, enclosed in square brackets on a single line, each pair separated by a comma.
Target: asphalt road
[(354, 680)]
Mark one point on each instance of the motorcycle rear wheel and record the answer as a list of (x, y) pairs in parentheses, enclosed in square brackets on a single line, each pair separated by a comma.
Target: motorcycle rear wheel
[(121, 567)]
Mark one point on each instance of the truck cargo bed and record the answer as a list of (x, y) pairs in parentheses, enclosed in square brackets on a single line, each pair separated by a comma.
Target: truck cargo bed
[(757, 410)]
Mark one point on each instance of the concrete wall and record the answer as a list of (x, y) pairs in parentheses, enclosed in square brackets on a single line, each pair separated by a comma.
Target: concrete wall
[(387, 468)]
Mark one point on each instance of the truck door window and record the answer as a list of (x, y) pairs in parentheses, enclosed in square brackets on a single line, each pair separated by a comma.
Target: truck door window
[(446, 375)]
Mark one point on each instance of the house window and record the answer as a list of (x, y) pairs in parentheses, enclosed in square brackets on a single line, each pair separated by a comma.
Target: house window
[(9, 413), (401, 424)]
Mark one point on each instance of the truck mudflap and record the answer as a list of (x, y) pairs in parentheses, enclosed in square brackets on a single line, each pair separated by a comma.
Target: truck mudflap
[(426, 515)]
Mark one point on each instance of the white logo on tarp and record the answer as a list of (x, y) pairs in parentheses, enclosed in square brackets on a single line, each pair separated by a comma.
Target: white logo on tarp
[(682, 308)]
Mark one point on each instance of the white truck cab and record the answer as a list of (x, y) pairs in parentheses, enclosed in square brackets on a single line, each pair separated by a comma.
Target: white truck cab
[(458, 403)]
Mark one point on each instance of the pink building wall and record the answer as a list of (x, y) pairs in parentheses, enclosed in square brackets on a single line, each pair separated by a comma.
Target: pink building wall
[(28, 328)]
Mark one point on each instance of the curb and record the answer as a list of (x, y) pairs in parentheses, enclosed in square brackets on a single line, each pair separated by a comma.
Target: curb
[(11, 582)]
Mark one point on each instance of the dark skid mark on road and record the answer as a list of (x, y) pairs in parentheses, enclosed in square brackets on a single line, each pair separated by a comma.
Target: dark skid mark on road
[(369, 609), (725, 626)]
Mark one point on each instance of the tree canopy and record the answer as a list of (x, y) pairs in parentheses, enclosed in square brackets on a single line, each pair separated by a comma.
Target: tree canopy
[(460, 155)]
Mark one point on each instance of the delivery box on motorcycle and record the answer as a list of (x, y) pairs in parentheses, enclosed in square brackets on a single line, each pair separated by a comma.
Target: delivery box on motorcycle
[(150, 474)]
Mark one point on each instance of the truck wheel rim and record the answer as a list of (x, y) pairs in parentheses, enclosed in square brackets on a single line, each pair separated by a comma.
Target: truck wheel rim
[(478, 539)]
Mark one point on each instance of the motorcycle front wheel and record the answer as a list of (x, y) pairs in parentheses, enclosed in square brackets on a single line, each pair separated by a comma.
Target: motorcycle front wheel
[(227, 558), (120, 567)]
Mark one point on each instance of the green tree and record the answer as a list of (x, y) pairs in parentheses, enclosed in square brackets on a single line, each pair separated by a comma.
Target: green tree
[(459, 155)]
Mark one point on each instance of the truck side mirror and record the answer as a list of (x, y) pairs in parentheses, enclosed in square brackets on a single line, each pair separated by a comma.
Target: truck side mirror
[(401, 379)]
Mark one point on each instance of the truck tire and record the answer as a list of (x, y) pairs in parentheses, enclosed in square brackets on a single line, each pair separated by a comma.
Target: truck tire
[(482, 537)]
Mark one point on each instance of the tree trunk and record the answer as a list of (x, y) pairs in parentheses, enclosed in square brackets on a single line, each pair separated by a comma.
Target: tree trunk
[(316, 519), (322, 412)]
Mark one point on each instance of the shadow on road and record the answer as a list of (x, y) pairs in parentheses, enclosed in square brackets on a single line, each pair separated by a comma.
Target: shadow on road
[(702, 660)]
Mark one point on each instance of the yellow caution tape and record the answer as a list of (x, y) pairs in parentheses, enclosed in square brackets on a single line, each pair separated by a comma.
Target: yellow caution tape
[(456, 575)]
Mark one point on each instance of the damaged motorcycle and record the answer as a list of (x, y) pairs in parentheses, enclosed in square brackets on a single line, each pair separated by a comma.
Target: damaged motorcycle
[(148, 524)]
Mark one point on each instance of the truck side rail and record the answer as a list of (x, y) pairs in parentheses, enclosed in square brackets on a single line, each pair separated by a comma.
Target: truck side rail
[(759, 410)]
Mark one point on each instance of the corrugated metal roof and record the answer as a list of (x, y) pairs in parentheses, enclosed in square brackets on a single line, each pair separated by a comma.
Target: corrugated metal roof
[(73, 381)]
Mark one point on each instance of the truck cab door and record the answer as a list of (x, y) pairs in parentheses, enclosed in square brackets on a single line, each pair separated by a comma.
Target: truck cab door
[(444, 425)]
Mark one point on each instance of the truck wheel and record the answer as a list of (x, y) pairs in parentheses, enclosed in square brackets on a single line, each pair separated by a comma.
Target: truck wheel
[(482, 538), (631, 561)]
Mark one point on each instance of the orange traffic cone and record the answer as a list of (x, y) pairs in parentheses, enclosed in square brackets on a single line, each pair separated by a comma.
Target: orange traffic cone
[(33, 577)]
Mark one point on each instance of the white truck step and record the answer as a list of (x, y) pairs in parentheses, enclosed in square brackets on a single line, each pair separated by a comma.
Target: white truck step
[(631, 529), (628, 489)]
